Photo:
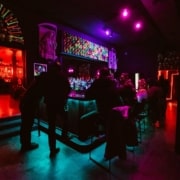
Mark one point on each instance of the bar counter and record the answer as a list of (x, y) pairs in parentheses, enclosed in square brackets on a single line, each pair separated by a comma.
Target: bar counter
[(77, 105)]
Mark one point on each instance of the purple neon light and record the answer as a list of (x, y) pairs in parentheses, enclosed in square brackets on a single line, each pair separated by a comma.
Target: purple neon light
[(107, 32)]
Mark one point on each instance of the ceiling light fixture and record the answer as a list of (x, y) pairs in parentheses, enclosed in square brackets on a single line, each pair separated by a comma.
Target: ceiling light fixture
[(138, 25), (108, 32), (125, 13)]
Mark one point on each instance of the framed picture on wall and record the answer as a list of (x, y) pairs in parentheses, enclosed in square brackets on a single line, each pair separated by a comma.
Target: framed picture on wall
[(39, 68), (47, 41)]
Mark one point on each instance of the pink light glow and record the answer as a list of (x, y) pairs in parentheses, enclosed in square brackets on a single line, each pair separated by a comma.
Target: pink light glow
[(125, 13), (138, 25), (71, 70)]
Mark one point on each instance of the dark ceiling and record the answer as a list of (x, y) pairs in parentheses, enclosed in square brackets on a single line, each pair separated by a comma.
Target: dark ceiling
[(161, 18)]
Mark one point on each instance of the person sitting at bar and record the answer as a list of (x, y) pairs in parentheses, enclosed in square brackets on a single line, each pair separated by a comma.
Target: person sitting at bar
[(104, 91), (127, 92), (141, 93), (111, 110)]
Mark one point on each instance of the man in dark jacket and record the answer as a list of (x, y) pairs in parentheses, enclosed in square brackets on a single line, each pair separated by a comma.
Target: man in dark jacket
[(28, 107), (54, 87), (104, 91), (56, 92)]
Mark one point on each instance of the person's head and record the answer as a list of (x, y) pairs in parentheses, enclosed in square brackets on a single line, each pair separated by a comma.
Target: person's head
[(142, 83), (161, 77), (123, 77), (129, 83), (152, 82), (104, 73), (55, 67)]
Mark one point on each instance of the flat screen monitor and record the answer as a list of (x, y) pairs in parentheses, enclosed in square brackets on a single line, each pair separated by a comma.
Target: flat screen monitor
[(39, 68)]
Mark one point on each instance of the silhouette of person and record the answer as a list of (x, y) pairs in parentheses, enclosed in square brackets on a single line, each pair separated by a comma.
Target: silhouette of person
[(104, 91), (155, 101), (164, 84), (28, 107), (17, 88), (128, 93), (56, 92)]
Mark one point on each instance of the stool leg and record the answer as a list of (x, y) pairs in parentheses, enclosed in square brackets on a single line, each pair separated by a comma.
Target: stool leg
[(139, 130), (38, 123)]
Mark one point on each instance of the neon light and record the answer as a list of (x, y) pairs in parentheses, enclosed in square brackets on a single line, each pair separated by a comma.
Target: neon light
[(6, 12), (136, 80), (8, 17), (172, 84), (1, 6), (12, 30), (169, 74), (12, 21)]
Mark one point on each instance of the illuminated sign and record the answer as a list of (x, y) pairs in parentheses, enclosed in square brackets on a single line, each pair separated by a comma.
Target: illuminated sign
[(10, 30), (77, 46)]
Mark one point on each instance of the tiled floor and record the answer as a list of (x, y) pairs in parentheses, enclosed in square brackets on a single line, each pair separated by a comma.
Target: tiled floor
[(153, 159)]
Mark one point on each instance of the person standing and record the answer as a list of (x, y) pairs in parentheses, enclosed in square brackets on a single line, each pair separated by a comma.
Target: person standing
[(155, 102), (28, 105), (164, 84), (57, 89)]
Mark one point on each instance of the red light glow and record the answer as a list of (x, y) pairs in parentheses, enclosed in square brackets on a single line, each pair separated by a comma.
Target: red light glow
[(170, 75)]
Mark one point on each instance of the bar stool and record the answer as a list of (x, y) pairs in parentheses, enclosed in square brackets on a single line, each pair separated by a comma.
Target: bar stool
[(37, 123), (141, 119), (115, 138)]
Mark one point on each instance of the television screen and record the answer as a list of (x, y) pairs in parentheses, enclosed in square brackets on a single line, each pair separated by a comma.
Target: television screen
[(39, 68)]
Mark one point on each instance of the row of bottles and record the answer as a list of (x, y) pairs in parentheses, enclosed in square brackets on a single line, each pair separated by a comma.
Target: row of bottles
[(80, 84), (169, 60)]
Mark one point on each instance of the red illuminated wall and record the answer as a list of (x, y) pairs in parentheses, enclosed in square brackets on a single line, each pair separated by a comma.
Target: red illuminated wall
[(170, 75), (11, 64)]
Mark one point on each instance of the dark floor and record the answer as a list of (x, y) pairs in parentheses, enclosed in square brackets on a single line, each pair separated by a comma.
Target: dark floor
[(153, 159)]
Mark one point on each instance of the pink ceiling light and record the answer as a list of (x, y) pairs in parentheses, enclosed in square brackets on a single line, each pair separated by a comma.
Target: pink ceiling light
[(125, 13), (138, 26)]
